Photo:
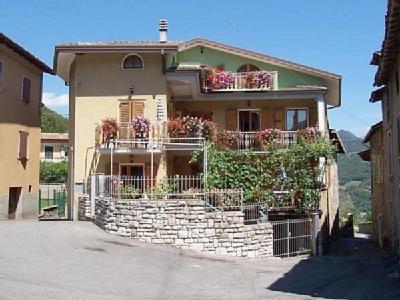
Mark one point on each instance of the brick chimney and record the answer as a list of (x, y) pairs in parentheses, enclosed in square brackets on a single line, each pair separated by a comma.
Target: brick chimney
[(163, 28)]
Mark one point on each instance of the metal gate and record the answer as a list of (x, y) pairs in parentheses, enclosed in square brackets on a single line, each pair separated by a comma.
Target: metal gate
[(291, 237), (54, 198)]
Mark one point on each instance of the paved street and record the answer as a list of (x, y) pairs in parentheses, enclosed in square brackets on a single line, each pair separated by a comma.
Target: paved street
[(66, 260)]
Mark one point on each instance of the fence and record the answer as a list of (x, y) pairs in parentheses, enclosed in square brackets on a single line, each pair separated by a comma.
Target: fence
[(57, 197), (131, 187), (292, 237)]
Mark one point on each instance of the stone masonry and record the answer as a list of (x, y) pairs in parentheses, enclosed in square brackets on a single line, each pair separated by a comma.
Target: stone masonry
[(185, 224), (84, 208)]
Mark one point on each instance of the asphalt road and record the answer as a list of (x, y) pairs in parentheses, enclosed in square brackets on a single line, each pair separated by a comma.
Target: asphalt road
[(77, 260)]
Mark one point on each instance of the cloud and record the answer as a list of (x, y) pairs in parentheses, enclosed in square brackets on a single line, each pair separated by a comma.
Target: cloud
[(51, 100)]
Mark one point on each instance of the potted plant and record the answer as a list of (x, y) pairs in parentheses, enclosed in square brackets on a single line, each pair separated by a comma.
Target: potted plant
[(140, 127), (110, 129), (269, 138), (308, 135)]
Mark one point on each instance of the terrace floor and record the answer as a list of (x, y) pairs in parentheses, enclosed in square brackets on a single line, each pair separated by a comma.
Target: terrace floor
[(77, 260)]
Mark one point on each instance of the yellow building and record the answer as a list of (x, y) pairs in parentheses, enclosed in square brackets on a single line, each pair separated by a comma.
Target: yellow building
[(161, 80), (21, 77), (54, 147)]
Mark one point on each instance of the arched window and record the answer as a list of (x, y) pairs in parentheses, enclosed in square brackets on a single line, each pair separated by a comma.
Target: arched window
[(132, 62), (247, 68)]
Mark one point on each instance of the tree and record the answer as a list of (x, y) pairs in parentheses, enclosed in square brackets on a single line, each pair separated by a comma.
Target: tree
[(52, 121), (53, 172)]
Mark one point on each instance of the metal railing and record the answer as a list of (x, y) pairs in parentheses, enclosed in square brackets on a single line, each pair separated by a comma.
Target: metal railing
[(132, 187), (252, 141), (292, 237), (244, 81), (233, 200)]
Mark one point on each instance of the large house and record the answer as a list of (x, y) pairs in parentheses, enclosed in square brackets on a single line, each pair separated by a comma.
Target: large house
[(154, 82), (387, 79), (21, 76)]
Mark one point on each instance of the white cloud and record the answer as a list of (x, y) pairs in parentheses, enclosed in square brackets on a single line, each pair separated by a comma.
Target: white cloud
[(51, 100)]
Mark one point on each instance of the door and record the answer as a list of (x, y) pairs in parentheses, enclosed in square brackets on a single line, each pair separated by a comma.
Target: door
[(249, 123), (135, 175), (13, 199)]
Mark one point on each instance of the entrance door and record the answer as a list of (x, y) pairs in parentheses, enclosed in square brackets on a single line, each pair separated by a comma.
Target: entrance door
[(13, 198)]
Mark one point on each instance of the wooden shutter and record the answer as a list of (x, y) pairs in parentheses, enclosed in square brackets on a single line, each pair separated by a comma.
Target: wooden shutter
[(231, 119), (312, 117), (124, 112), (137, 108), (26, 89), (279, 118), (23, 145), (266, 118)]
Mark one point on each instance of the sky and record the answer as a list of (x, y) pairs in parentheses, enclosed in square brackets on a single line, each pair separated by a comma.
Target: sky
[(334, 35)]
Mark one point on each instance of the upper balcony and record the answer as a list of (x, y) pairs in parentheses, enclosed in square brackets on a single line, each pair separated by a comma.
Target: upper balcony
[(227, 81)]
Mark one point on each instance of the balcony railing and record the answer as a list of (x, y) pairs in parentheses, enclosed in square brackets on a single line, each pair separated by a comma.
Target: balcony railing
[(247, 81), (251, 141)]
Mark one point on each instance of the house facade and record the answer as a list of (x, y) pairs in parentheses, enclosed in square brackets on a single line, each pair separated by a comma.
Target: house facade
[(112, 83), (21, 77), (382, 229), (388, 93), (54, 147)]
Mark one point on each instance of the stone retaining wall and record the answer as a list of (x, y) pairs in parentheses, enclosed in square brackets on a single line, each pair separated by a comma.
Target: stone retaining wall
[(84, 208), (185, 224)]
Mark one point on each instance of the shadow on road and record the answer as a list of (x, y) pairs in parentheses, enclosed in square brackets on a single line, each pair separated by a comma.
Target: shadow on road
[(354, 270)]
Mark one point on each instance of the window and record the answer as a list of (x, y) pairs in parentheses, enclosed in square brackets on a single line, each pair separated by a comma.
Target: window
[(132, 62), (64, 151), (1, 74), (249, 120), (247, 68), (48, 152), (26, 89), (23, 145), (296, 119)]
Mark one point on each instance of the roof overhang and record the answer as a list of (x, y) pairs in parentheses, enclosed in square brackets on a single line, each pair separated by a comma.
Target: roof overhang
[(25, 54), (336, 140), (333, 81), (372, 130), (64, 55), (365, 155), (378, 95)]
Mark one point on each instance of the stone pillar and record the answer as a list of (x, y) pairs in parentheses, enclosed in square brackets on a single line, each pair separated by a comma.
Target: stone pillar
[(315, 233), (93, 192)]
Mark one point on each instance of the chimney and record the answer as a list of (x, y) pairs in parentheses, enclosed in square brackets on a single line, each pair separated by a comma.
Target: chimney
[(162, 28)]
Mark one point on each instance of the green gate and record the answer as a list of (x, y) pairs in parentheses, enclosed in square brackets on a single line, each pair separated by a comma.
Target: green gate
[(56, 198)]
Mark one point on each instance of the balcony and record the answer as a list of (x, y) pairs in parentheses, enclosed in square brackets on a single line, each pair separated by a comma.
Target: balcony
[(227, 81), (253, 141)]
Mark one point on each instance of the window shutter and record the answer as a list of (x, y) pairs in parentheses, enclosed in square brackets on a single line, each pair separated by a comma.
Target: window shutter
[(137, 108), (23, 145), (231, 119), (26, 89), (279, 118), (312, 117), (124, 112), (266, 118)]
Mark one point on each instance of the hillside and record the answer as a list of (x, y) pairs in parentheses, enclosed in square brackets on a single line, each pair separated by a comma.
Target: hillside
[(354, 178), (52, 121)]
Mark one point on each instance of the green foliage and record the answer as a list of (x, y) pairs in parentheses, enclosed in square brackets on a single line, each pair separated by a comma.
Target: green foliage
[(128, 192), (354, 179), (52, 121), (53, 172), (259, 174)]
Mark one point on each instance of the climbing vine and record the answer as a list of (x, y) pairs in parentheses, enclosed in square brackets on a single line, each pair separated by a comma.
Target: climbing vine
[(294, 170)]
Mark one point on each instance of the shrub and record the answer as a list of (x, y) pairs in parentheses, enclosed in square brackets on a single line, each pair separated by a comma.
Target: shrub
[(54, 172)]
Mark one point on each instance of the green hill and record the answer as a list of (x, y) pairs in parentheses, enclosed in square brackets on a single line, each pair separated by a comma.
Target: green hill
[(354, 178), (52, 121)]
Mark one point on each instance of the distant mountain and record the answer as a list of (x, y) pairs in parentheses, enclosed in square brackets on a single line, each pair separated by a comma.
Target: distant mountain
[(354, 177), (52, 121)]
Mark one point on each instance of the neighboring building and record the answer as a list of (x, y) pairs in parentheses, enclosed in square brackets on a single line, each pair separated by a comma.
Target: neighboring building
[(54, 147), (164, 79), (382, 227), (387, 79), (21, 77)]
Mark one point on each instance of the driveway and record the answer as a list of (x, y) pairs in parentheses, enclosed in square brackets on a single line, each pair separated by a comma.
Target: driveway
[(77, 260)]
